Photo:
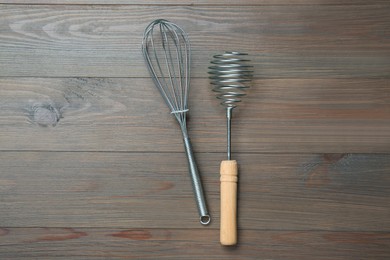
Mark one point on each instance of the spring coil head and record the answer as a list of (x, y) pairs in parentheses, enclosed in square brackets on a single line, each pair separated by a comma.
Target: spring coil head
[(230, 75)]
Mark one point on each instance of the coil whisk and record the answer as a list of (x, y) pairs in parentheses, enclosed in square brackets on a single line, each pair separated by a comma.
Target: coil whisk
[(230, 75)]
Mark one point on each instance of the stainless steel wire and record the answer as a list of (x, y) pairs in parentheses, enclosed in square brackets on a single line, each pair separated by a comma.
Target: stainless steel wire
[(230, 75), (167, 52)]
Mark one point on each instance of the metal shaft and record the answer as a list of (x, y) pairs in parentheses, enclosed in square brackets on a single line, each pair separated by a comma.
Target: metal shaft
[(229, 114), (196, 183)]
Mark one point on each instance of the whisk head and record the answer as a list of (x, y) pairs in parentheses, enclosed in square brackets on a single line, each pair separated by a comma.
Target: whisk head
[(166, 50), (230, 75)]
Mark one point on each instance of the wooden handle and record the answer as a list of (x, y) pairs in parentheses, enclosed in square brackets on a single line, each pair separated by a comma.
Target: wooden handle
[(228, 232)]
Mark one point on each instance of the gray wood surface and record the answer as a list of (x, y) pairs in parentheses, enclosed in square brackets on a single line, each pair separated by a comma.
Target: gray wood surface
[(112, 243), (127, 114), (198, 2), (310, 41), (277, 191), (92, 163)]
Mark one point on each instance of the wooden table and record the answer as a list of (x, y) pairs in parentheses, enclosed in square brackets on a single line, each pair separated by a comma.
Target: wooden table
[(92, 163)]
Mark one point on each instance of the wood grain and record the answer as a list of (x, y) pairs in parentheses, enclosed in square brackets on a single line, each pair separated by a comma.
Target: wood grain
[(330, 192), (228, 202), (195, 3), (92, 243), (92, 164), (303, 41), (286, 115)]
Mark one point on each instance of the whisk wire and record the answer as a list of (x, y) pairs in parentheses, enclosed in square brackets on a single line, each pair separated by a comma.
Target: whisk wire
[(175, 83), (157, 78), (229, 76), (169, 65)]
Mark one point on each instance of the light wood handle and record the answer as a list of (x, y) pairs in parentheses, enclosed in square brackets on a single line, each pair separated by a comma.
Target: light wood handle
[(228, 232)]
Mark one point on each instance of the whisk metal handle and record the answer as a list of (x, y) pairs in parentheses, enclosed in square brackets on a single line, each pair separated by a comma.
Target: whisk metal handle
[(196, 184)]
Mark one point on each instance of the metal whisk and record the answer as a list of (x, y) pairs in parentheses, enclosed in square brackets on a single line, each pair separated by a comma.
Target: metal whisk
[(166, 50), (230, 75)]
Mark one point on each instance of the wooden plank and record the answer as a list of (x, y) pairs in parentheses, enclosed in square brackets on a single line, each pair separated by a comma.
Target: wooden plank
[(111, 243), (122, 114), (308, 41), (193, 3), (92, 164), (343, 192)]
